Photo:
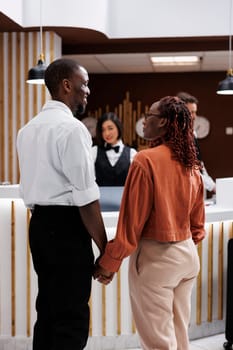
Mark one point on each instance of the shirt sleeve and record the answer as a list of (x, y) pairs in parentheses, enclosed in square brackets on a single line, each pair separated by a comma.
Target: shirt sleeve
[(133, 152), (209, 183), (135, 209), (94, 153), (197, 216), (78, 166)]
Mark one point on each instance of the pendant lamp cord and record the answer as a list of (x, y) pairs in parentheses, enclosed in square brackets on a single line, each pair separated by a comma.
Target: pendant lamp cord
[(41, 36)]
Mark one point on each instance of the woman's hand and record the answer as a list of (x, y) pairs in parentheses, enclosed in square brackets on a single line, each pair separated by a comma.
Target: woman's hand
[(102, 275)]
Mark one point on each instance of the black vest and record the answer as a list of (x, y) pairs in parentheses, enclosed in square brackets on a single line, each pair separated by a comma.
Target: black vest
[(197, 148), (108, 175)]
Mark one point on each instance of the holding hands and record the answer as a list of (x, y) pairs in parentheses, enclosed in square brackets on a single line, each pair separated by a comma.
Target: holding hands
[(102, 275)]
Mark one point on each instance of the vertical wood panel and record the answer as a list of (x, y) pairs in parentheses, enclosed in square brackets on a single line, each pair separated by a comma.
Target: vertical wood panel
[(118, 302), (12, 268), (36, 56), (18, 90), (26, 67), (10, 114), (231, 230), (133, 127), (210, 274), (120, 112), (139, 109), (130, 123), (199, 287), (28, 274), (133, 327), (220, 272), (51, 47), (2, 136), (5, 105), (42, 87), (103, 310)]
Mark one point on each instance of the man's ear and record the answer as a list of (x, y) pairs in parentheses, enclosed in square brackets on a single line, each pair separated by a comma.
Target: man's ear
[(66, 85)]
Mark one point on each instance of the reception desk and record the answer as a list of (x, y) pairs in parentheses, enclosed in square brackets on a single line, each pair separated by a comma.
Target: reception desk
[(111, 325)]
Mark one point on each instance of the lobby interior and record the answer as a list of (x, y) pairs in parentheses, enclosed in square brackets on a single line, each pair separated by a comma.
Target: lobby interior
[(115, 42)]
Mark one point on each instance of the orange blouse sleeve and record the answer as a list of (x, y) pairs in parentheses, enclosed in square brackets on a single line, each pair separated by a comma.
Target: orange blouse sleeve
[(197, 216), (136, 204)]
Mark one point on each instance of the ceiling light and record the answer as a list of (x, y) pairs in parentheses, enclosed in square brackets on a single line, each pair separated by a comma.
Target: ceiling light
[(174, 60), (36, 74), (225, 87)]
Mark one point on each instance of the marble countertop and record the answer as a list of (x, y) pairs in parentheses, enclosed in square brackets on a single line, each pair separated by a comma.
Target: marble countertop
[(213, 212)]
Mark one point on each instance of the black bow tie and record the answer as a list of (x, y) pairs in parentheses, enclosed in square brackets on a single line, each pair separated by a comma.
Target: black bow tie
[(115, 148)]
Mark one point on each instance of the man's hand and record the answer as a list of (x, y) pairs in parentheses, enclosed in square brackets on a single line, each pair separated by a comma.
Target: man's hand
[(102, 275)]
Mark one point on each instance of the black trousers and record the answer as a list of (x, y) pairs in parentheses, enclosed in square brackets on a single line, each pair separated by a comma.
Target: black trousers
[(63, 260)]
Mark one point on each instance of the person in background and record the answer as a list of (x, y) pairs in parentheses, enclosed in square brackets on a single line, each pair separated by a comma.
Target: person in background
[(90, 123), (161, 220), (112, 158), (57, 182), (191, 103)]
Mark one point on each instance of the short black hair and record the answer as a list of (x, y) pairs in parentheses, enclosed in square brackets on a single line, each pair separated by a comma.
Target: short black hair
[(187, 98), (62, 68)]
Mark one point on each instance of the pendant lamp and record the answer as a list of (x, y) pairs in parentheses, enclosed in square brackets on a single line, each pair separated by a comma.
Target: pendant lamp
[(225, 87), (36, 74)]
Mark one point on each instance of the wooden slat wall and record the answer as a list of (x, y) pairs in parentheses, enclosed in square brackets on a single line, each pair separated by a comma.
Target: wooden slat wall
[(13, 267), (19, 102), (220, 272), (210, 274), (18, 88), (2, 154), (10, 107)]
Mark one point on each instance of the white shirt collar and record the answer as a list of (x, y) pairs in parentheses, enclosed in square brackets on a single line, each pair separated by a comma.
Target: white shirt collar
[(119, 143), (51, 104)]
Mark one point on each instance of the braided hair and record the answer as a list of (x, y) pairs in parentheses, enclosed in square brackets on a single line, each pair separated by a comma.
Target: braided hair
[(179, 131)]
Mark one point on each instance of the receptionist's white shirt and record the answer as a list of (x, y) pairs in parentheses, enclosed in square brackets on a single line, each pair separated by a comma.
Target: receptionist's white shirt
[(112, 155)]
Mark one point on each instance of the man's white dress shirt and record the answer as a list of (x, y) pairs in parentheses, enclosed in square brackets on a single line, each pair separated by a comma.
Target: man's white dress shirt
[(55, 157)]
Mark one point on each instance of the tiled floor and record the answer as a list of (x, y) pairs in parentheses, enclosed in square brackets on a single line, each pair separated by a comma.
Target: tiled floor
[(209, 343)]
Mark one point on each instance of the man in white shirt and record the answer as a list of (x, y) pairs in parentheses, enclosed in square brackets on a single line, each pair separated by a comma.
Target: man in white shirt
[(57, 182)]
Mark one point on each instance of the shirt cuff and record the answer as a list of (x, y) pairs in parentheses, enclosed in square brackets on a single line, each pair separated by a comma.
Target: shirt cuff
[(108, 263), (87, 196)]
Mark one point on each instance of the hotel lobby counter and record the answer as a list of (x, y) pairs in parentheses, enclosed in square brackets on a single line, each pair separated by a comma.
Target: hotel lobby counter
[(111, 325)]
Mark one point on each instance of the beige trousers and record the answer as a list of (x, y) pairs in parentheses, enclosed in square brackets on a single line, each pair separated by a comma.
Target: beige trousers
[(161, 277)]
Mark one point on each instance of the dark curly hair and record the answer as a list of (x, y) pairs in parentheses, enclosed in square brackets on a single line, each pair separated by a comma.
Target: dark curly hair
[(107, 116), (179, 131)]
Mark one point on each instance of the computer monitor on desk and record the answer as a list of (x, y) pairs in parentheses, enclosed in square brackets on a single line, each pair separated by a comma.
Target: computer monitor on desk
[(110, 198)]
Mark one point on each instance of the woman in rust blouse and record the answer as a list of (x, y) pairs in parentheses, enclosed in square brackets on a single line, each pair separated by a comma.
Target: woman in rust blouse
[(161, 220)]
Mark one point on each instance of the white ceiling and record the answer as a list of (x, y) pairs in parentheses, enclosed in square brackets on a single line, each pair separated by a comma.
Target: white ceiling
[(141, 63)]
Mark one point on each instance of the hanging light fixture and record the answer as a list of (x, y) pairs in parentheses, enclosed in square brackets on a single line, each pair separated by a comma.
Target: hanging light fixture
[(36, 74), (225, 87)]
